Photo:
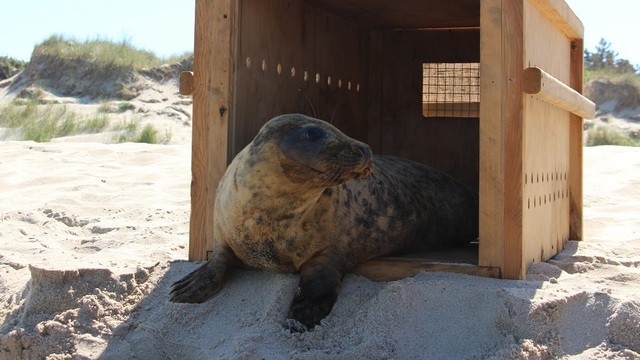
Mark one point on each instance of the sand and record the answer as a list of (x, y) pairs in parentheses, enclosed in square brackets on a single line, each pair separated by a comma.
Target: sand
[(92, 235)]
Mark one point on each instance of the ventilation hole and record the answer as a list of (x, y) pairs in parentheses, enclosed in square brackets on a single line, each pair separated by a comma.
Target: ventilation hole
[(279, 69), (339, 83), (264, 65), (358, 87), (349, 85), (529, 203), (329, 80), (293, 71), (306, 75), (248, 62), (537, 178), (545, 199), (317, 78), (525, 178)]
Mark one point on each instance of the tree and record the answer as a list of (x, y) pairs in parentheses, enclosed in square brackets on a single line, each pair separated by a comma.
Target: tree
[(606, 59)]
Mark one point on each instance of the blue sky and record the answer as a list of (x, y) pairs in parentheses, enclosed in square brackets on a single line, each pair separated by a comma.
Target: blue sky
[(166, 26), (162, 26)]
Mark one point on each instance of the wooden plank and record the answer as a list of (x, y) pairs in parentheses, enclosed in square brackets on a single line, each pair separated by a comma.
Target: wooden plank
[(576, 146), (376, 70), (547, 88), (387, 269), (562, 17), (491, 171), (512, 22), (406, 14), (215, 21)]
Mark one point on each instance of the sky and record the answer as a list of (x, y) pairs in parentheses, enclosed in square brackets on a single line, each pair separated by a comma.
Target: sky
[(166, 27)]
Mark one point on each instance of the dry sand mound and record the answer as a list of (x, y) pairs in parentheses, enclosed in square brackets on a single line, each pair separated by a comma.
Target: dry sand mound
[(90, 233)]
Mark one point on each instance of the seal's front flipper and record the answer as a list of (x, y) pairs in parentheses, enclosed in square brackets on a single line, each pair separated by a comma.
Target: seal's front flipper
[(203, 282), (317, 293)]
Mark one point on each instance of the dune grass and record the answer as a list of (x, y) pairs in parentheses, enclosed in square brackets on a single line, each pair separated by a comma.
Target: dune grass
[(103, 53), (627, 77), (130, 132), (605, 135), (42, 123)]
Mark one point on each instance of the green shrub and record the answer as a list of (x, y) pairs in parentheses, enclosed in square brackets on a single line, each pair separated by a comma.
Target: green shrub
[(102, 53), (603, 135), (42, 123), (131, 132)]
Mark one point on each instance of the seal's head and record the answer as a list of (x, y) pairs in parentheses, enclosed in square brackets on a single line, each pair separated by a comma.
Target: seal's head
[(312, 151)]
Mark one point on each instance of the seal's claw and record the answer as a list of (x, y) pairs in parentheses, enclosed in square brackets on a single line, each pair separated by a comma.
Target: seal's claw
[(200, 284), (308, 312)]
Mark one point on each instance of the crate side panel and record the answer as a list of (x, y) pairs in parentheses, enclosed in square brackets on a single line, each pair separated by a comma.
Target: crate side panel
[(546, 144), (341, 78), (276, 45), (448, 144), (295, 58)]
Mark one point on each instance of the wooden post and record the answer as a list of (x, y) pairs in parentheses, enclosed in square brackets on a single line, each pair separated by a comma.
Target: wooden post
[(212, 77), (501, 136), (575, 145)]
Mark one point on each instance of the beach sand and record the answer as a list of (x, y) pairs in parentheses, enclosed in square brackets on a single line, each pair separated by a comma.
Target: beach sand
[(92, 236)]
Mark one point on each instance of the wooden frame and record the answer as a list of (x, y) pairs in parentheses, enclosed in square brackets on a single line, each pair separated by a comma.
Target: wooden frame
[(358, 63)]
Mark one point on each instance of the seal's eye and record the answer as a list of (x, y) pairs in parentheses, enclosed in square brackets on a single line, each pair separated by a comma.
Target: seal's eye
[(313, 134)]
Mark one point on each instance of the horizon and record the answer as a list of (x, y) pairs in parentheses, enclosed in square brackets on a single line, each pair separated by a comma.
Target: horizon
[(166, 27)]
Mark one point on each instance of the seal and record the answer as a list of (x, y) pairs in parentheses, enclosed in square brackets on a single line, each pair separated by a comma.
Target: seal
[(304, 197)]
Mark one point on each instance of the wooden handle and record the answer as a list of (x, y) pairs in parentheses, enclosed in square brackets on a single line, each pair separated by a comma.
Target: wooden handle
[(186, 83), (545, 87)]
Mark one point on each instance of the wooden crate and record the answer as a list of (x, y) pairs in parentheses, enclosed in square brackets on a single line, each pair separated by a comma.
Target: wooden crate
[(361, 65)]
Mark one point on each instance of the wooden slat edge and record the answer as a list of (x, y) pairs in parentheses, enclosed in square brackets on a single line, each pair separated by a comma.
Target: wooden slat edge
[(562, 17), (545, 87), (491, 169), (576, 147), (395, 269)]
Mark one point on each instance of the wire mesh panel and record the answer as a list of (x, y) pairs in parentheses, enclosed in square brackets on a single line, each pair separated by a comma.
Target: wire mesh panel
[(451, 90)]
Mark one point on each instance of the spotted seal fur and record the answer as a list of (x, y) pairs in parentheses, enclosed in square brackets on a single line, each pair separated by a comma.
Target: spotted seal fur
[(303, 197)]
